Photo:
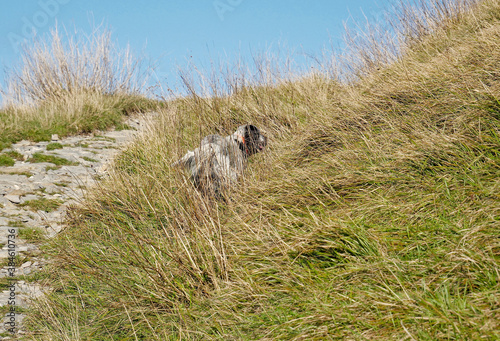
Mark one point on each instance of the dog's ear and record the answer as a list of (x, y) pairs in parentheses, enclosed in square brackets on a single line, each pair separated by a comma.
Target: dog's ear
[(251, 129), (251, 133), (255, 141)]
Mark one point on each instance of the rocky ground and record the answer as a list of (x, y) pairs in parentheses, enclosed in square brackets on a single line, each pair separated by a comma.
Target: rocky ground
[(34, 194)]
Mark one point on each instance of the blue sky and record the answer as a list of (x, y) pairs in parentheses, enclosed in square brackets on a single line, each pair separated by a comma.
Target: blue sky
[(172, 32)]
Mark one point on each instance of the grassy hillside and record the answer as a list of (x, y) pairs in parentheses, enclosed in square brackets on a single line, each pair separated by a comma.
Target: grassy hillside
[(55, 90), (373, 214)]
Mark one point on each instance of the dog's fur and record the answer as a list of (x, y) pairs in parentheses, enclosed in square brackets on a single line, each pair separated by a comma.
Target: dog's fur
[(220, 161)]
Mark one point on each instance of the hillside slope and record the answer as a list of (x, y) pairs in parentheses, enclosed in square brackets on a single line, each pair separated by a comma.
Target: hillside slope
[(374, 213)]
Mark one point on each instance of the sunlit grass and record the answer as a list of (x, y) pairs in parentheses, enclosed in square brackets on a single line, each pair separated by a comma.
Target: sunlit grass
[(42, 204), (54, 146), (55, 89), (373, 213), (56, 160)]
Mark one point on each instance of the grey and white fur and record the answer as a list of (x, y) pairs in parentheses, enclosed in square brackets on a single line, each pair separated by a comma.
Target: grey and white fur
[(219, 161)]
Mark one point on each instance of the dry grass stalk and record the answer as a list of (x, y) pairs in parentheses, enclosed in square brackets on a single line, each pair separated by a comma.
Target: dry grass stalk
[(62, 66)]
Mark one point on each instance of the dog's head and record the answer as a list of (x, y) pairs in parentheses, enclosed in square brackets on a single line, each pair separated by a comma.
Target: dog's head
[(251, 139)]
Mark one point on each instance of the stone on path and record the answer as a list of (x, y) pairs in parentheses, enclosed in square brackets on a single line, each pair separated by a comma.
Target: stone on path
[(13, 198)]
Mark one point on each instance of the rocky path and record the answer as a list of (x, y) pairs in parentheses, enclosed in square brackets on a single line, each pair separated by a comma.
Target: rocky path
[(34, 195)]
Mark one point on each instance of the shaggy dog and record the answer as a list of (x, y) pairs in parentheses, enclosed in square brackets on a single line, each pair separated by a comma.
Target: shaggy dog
[(219, 161)]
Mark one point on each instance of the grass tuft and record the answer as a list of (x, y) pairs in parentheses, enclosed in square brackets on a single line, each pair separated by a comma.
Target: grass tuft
[(42, 204), (6, 160), (56, 160), (32, 234), (89, 159), (15, 155), (27, 174), (54, 146)]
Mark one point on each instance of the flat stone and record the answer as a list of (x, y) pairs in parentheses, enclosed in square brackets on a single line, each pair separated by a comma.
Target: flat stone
[(4, 230), (4, 234), (25, 218), (4, 254), (35, 149), (9, 209), (20, 167), (4, 325), (25, 265), (13, 198), (24, 293), (23, 143), (29, 197)]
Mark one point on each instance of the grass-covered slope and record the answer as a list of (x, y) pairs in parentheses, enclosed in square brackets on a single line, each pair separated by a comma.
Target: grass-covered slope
[(75, 114), (70, 84), (374, 213)]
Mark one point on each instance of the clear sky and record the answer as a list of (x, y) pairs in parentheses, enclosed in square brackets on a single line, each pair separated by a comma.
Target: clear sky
[(173, 31)]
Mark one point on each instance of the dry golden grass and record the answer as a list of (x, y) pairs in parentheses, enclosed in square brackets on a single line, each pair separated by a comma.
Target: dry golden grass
[(64, 65), (70, 84), (373, 214)]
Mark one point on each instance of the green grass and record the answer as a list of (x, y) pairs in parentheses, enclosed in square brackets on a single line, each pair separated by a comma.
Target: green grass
[(54, 145), (15, 155), (104, 138), (27, 174), (49, 168), (4, 144), (89, 113), (9, 158), (373, 213), (42, 204), (16, 223), (56, 160), (6, 160), (32, 234), (122, 126), (86, 158)]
